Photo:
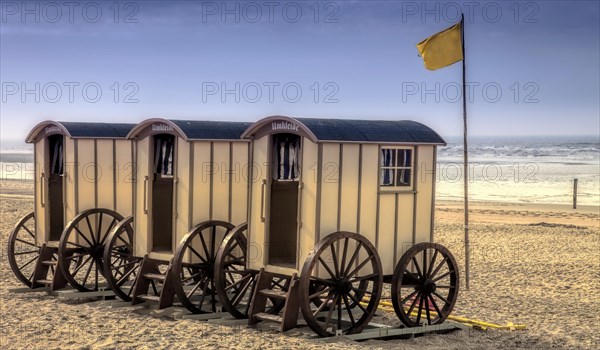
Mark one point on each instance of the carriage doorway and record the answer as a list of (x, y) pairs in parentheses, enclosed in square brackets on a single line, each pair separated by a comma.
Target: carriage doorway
[(162, 192), (284, 191), (56, 168)]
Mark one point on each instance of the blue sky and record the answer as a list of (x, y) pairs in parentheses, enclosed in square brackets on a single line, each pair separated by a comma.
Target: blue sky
[(533, 67)]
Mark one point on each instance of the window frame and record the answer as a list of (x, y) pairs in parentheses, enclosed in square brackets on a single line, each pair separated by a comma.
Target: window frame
[(411, 168)]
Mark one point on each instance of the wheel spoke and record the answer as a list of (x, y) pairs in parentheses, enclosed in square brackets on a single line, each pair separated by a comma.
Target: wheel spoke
[(126, 276), (353, 258), (335, 260), (193, 276), (241, 280), (419, 311), (204, 246), (110, 227), (99, 228), (442, 276), (89, 224), (414, 259), (408, 297), (349, 309), (427, 313), (358, 303), (82, 236), (435, 306), (197, 254), (25, 242), (360, 266), (412, 306), (367, 277), (431, 264), (29, 231), (327, 267), (189, 295), (437, 269), (27, 252), (87, 273), (78, 267), (241, 294), (441, 297), (27, 263), (330, 313), (323, 304), (345, 252), (314, 295)]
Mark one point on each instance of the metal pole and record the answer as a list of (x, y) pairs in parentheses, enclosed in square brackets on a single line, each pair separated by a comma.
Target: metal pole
[(465, 152), (575, 194)]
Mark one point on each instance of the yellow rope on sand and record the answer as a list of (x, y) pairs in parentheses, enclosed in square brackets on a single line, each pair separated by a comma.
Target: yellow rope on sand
[(389, 307)]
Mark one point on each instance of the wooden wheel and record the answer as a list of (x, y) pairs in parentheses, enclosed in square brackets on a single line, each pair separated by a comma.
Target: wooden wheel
[(234, 283), (333, 277), (425, 285), (119, 263), (194, 264), (23, 251), (81, 248)]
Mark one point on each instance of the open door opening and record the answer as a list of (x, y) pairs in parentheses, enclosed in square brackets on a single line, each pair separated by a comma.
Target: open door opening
[(283, 215), (162, 192), (55, 186)]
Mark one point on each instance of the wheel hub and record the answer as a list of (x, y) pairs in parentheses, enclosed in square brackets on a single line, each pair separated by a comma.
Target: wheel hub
[(344, 285), (429, 286)]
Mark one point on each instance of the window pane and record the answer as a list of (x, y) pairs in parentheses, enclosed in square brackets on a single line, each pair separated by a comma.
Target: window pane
[(387, 177), (403, 177), (404, 157), (388, 157)]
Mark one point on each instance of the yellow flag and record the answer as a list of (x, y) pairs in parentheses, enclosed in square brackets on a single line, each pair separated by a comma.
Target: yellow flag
[(442, 49)]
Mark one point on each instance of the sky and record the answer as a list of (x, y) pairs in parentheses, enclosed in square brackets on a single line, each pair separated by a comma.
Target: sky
[(532, 68)]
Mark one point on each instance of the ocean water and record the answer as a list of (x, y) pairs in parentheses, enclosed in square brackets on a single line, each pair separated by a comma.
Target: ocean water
[(505, 169), (522, 169)]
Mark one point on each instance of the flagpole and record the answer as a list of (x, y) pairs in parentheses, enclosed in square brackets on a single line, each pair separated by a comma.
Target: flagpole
[(465, 152)]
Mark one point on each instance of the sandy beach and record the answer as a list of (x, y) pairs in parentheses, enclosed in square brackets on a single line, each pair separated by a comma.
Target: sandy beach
[(536, 265)]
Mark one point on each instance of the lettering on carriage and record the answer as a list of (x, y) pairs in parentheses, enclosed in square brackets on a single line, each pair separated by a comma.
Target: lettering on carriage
[(161, 127), (52, 129), (284, 126)]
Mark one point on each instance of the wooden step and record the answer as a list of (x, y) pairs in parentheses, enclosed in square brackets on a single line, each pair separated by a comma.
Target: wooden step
[(50, 262), (263, 316), (45, 282), (155, 276), (147, 297), (272, 293)]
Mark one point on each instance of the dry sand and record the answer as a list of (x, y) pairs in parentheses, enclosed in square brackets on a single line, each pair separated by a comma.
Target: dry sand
[(531, 264)]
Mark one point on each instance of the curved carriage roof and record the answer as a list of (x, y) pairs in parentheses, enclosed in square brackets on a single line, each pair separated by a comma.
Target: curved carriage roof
[(81, 130), (191, 130), (349, 130)]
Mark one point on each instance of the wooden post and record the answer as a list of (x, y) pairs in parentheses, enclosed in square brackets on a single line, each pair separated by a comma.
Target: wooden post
[(465, 152), (575, 194)]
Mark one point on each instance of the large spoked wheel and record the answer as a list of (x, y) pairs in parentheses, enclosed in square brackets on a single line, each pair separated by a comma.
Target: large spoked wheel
[(342, 269), (23, 251), (233, 281), (81, 248), (194, 265), (120, 265), (425, 285)]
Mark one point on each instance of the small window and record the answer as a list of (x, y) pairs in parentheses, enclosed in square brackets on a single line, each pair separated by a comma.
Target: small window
[(56, 155), (396, 167), (164, 154), (286, 156)]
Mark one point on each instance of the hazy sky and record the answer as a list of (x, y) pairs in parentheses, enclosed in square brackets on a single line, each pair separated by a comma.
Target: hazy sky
[(533, 67)]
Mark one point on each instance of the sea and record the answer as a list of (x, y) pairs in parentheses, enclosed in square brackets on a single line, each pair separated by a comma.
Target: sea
[(532, 169)]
